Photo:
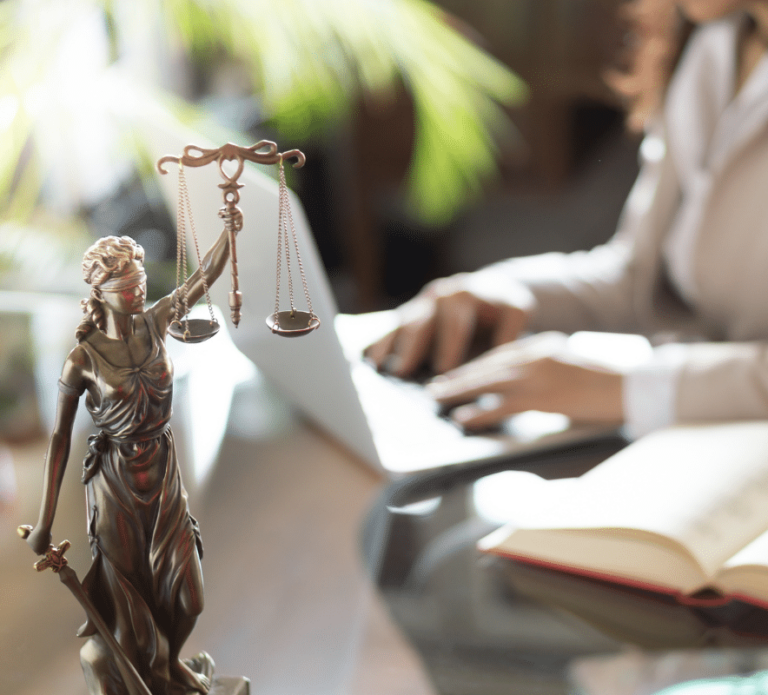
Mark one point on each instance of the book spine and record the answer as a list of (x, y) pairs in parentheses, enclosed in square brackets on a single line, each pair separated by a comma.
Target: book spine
[(693, 600), (712, 598), (589, 573)]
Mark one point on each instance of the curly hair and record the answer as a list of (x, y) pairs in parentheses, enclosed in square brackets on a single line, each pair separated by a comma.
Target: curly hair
[(102, 261), (657, 33)]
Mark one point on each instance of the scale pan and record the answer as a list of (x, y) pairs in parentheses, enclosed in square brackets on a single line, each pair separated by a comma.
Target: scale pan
[(199, 330), (292, 324)]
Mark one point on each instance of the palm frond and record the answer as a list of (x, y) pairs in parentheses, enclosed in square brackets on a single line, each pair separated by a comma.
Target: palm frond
[(310, 63), (311, 60)]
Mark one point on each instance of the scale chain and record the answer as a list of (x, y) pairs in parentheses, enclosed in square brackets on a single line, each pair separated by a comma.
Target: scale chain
[(301, 266), (197, 253), (285, 219), (184, 217), (288, 254), (279, 249), (181, 249)]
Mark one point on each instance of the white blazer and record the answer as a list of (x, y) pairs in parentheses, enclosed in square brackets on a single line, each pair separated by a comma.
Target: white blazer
[(690, 255)]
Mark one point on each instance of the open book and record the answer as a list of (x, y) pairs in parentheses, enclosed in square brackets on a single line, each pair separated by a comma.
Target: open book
[(682, 511)]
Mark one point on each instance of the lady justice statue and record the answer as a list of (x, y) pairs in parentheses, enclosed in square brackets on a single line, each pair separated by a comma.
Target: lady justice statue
[(144, 589)]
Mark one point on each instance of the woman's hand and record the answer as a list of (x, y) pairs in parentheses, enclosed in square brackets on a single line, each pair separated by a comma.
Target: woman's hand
[(442, 321), (535, 373), (39, 539)]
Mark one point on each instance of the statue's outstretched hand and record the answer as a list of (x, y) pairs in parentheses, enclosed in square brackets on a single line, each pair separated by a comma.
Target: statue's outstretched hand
[(38, 538)]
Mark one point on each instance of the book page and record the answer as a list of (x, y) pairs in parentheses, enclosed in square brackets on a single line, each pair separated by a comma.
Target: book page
[(704, 486), (747, 571), (634, 557)]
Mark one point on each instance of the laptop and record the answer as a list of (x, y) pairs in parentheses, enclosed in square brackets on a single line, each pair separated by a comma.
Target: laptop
[(393, 426)]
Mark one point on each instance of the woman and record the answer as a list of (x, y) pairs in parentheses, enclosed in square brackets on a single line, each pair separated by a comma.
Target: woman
[(688, 260), (145, 579)]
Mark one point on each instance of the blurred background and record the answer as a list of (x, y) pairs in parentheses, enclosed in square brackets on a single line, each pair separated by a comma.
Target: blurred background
[(440, 136)]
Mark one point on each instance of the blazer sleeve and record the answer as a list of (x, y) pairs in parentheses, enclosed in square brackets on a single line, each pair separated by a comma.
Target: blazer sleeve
[(722, 381), (614, 286), (697, 382)]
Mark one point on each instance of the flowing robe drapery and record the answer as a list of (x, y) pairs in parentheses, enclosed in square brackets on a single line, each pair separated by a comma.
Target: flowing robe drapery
[(142, 535)]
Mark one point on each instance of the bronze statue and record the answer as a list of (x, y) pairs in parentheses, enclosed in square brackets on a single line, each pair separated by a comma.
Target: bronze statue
[(145, 580), (144, 590)]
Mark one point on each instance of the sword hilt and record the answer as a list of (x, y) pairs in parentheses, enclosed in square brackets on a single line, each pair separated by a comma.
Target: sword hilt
[(54, 556)]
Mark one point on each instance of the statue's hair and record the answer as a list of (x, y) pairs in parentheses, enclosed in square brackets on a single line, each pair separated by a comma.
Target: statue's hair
[(102, 261)]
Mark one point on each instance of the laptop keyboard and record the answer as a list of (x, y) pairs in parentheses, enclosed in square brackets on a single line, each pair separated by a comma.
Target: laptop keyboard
[(399, 407)]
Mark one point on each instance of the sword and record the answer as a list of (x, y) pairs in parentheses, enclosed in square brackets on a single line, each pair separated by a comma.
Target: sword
[(55, 560)]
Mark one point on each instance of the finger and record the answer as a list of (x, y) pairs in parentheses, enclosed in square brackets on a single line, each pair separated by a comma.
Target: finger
[(509, 326), (496, 360), (455, 325), (411, 346), (479, 371), (470, 387), (378, 352), (483, 415)]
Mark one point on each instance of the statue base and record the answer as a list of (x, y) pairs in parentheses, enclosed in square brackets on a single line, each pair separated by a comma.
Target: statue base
[(227, 685), (101, 673)]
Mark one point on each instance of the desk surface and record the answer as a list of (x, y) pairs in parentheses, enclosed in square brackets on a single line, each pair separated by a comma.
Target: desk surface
[(287, 601), (488, 625)]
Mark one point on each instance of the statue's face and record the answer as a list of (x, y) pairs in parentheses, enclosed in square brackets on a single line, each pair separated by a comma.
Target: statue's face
[(129, 297)]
